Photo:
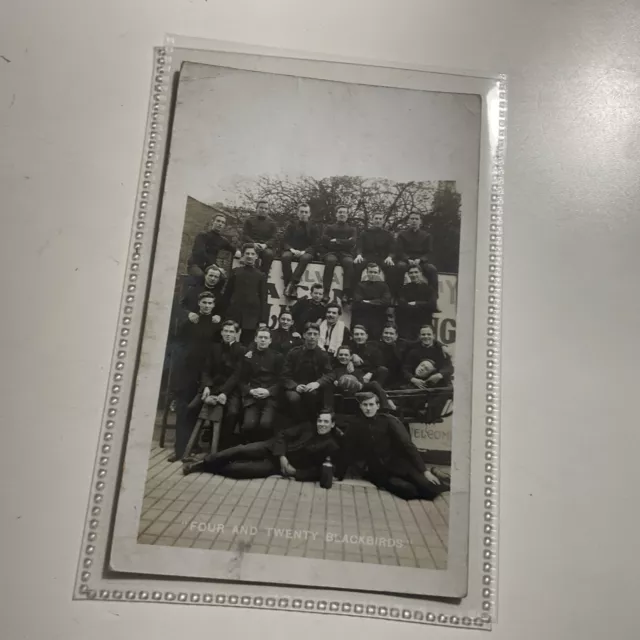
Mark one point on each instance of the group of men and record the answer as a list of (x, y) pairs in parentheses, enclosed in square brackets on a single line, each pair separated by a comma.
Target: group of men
[(228, 356)]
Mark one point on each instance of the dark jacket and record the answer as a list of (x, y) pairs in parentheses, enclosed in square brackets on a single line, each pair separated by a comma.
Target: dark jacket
[(245, 297), (189, 299), (196, 340), (411, 317), (382, 444), (302, 236), (371, 355), (376, 291), (306, 310), (223, 367), (302, 366), (413, 245), (375, 244), (419, 352), (262, 230), (392, 358), (206, 247), (260, 370), (344, 236), (304, 448), (282, 341)]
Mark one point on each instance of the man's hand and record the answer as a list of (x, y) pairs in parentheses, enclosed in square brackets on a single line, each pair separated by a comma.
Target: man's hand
[(194, 317), (285, 467), (435, 378), (356, 359), (253, 393), (249, 355), (222, 398), (389, 261), (295, 334), (367, 377), (418, 382), (413, 263), (301, 388), (312, 386), (211, 400), (215, 319), (206, 392), (261, 393), (333, 240), (412, 303), (358, 259), (238, 254), (431, 478), (350, 367)]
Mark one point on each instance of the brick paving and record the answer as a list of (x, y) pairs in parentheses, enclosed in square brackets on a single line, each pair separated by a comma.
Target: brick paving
[(284, 517)]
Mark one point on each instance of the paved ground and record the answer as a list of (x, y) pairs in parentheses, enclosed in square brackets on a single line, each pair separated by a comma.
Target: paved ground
[(352, 521)]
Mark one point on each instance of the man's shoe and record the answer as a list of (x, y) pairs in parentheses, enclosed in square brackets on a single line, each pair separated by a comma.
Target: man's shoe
[(192, 467), (172, 458)]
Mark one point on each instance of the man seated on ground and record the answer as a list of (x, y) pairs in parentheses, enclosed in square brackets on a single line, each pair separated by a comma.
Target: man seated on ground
[(428, 348), (221, 379), (413, 248), (381, 447), (261, 231), (333, 331), (296, 452), (213, 281), (416, 305), (299, 242), (351, 379), (338, 243), (307, 377), (393, 350), (368, 355), (245, 296), (371, 301), (207, 246), (260, 385), (195, 337), (310, 309), (285, 337), (375, 244)]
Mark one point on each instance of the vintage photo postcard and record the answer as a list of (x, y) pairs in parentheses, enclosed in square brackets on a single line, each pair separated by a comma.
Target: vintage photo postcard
[(302, 407)]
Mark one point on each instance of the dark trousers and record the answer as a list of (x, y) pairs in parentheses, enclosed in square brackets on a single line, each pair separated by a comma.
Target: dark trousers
[(266, 258), (371, 316), (258, 419), (306, 406), (330, 262), (286, 259), (232, 411), (429, 272), (185, 421), (247, 336), (245, 461), (410, 485)]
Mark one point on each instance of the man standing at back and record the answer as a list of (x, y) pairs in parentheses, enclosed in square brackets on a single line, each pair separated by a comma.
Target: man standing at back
[(260, 230), (338, 243), (376, 245)]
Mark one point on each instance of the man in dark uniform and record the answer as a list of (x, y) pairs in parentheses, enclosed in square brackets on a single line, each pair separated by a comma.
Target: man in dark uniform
[(428, 348), (381, 446), (307, 377), (260, 385), (413, 248), (207, 245), (311, 309), (296, 452), (285, 337), (261, 231), (368, 356), (416, 305), (375, 244), (371, 301), (212, 281), (393, 351), (245, 296), (338, 244), (299, 242), (221, 379), (195, 336)]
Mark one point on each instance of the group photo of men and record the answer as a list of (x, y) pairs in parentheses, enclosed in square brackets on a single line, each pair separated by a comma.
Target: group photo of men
[(322, 390)]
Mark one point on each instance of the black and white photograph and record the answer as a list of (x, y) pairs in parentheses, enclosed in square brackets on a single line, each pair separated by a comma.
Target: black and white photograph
[(302, 413)]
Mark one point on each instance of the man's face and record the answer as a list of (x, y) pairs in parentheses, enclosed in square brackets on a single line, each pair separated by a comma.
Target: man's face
[(414, 274), (376, 221), (304, 212), (426, 336), (212, 277), (263, 340), (250, 256), (373, 273), (341, 214), (311, 338), (414, 222), (370, 407), (324, 424), (425, 369), (344, 355), (229, 334), (262, 209), (360, 336), (206, 306), (389, 335), (285, 321), (316, 294), (332, 315), (218, 223)]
